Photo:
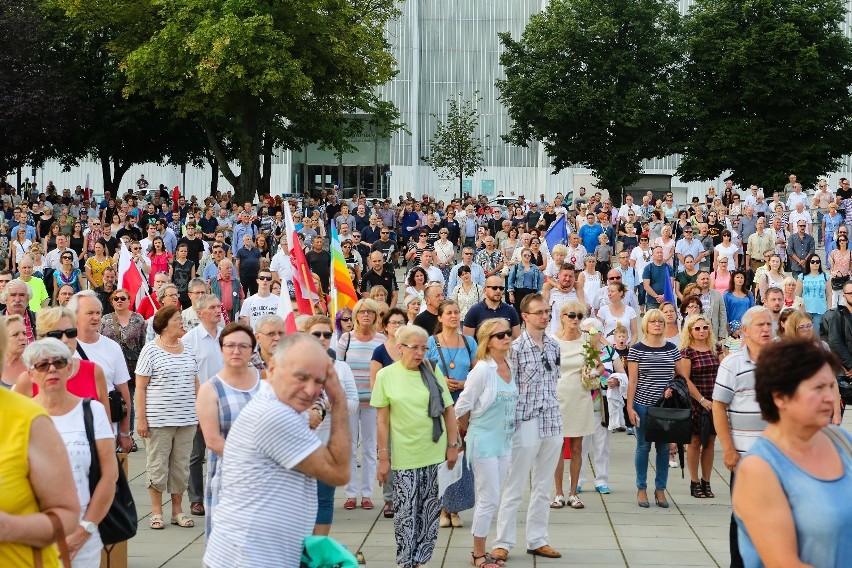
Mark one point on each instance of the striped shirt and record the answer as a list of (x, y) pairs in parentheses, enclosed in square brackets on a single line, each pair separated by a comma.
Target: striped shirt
[(656, 369), (259, 481), (735, 387), (537, 384), (358, 355), (170, 395)]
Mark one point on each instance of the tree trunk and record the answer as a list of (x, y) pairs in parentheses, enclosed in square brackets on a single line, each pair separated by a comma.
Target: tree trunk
[(461, 186), (106, 173), (266, 179), (214, 174)]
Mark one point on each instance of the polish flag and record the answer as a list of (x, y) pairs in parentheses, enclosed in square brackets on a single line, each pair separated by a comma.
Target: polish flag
[(129, 277), (175, 198), (306, 290), (86, 189), (285, 311)]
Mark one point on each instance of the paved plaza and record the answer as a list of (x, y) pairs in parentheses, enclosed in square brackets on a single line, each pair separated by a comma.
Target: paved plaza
[(611, 531)]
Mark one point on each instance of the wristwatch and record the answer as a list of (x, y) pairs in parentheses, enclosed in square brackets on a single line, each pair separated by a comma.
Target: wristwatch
[(89, 526), (455, 445)]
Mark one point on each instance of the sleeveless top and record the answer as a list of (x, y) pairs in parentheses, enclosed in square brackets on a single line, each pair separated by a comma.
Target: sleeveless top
[(97, 267), (231, 402), (820, 508), (82, 384), (182, 274), (16, 494)]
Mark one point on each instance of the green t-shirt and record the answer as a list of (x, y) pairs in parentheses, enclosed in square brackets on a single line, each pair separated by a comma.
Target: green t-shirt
[(410, 424)]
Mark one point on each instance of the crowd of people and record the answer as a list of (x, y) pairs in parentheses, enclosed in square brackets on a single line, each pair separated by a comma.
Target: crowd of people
[(505, 354)]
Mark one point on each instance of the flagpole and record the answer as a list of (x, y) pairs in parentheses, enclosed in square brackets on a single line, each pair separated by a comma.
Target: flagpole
[(305, 277)]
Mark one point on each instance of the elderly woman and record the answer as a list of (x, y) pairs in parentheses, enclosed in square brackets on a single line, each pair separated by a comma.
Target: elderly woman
[(453, 353), (167, 295), (700, 357), (42, 486), (320, 327), (791, 298), (220, 401), (575, 402), (13, 365), (415, 413), (791, 498), (356, 349), (166, 387), (650, 366), (86, 379), (490, 395), (49, 365), (412, 305), (128, 330)]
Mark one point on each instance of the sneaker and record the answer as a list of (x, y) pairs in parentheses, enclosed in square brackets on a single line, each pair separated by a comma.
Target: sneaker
[(631, 432), (579, 489), (673, 463), (603, 489)]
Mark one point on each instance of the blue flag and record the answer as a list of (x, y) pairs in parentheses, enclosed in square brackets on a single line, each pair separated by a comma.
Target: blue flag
[(557, 234), (668, 291)]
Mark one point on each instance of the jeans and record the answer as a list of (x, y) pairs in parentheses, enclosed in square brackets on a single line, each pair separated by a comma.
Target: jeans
[(818, 317), (325, 503), (643, 449), (734, 541)]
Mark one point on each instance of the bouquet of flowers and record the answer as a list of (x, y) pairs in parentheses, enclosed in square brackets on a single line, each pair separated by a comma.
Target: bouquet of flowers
[(590, 377)]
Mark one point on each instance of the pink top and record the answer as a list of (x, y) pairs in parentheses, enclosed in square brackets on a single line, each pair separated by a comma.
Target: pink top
[(721, 283), (840, 261), (159, 263)]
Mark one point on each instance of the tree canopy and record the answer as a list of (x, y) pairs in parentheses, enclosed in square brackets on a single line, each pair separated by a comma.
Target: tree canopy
[(254, 73), (591, 81), (765, 92), (455, 151)]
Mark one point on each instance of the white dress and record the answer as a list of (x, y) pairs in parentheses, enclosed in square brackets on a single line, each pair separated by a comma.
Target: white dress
[(611, 322), (575, 402), (591, 287)]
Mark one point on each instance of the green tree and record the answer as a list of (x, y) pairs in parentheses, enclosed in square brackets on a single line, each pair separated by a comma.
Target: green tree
[(455, 151), (765, 90), (253, 73), (590, 81)]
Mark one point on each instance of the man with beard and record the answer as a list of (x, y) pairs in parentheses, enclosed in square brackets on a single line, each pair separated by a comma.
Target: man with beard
[(491, 307)]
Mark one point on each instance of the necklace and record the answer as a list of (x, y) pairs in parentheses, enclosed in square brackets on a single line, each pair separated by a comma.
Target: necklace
[(170, 346), (452, 364)]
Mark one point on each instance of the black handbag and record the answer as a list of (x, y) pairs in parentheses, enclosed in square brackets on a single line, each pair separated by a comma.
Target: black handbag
[(845, 389), (669, 425), (119, 524)]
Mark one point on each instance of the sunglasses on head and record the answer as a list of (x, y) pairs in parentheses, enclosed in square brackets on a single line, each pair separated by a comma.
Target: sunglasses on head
[(323, 334), (70, 333)]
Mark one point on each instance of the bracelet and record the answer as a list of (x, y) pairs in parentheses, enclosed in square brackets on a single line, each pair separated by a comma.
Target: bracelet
[(383, 450), (702, 400), (124, 435)]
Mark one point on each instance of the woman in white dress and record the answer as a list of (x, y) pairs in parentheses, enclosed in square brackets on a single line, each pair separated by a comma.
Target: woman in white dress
[(444, 255), (575, 402), (589, 281), (772, 278), (668, 243), (617, 313), (467, 292), (728, 249)]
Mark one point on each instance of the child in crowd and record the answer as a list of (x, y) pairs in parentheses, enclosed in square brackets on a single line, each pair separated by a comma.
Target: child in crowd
[(603, 254), (558, 255), (619, 343), (733, 342)]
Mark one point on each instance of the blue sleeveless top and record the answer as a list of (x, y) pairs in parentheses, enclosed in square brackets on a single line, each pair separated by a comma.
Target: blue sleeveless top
[(820, 509)]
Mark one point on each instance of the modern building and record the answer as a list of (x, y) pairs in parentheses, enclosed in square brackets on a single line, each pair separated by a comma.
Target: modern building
[(444, 49)]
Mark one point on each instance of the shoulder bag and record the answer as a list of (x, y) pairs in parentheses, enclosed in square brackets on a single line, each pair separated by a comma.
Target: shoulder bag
[(119, 524), (59, 537), (670, 421)]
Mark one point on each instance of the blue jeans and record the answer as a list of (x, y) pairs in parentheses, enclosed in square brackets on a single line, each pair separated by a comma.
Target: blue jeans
[(325, 503), (818, 318), (643, 449)]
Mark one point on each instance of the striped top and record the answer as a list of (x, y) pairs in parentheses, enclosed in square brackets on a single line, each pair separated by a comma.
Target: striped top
[(260, 484), (656, 369), (358, 355), (735, 387), (170, 398)]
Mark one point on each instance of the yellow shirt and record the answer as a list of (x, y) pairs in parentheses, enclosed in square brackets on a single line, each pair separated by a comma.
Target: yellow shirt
[(16, 494)]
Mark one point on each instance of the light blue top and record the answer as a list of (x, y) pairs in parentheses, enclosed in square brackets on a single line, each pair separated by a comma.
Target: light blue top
[(737, 307), (458, 362), (813, 292), (820, 509), (490, 435)]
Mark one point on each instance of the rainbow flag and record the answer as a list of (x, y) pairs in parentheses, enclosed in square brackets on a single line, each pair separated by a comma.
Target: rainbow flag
[(342, 290)]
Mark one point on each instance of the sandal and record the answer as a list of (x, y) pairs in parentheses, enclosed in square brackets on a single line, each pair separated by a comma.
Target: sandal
[(183, 521), (387, 511), (705, 485), (156, 522), (558, 502), (487, 561), (575, 503), (696, 490), (499, 555)]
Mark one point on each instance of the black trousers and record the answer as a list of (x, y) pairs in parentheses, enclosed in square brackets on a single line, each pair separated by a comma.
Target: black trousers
[(736, 559)]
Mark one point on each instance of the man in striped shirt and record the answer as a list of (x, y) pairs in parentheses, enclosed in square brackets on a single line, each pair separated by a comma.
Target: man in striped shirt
[(736, 414)]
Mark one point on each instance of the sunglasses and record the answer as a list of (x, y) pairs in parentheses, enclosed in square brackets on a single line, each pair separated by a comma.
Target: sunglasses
[(502, 334), (265, 278), (501, 288), (43, 366), (345, 319), (546, 363), (70, 333), (815, 261), (701, 327), (323, 334), (67, 258), (614, 278), (572, 315)]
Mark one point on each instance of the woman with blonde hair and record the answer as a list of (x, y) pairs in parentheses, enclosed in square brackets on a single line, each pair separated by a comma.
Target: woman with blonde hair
[(791, 298), (489, 396), (699, 364), (356, 349), (650, 366), (800, 325), (575, 402)]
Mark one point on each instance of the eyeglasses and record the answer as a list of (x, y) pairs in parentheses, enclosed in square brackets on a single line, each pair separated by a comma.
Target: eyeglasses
[(701, 327), (804, 327), (272, 333), (468, 253), (396, 322), (367, 312), (501, 288), (323, 334), (657, 321), (385, 232), (265, 278), (66, 258), (572, 315), (236, 346), (541, 313), (70, 333), (43, 366), (356, 236), (502, 334), (418, 348)]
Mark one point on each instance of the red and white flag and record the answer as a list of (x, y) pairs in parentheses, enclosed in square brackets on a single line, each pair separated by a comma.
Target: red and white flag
[(306, 290), (175, 198), (129, 277), (86, 190), (285, 311)]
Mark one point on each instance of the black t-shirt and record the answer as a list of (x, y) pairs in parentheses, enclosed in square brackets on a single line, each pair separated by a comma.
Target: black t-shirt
[(111, 244), (209, 225), (386, 248), (453, 229), (385, 279), (133, 232), (549, 218), (427, 321), (844, 193), (195, 247), (249, 263), (320, 263)]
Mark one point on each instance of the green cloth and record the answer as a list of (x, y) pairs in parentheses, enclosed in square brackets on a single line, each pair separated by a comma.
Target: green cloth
[(39, 293), (410, 425)]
